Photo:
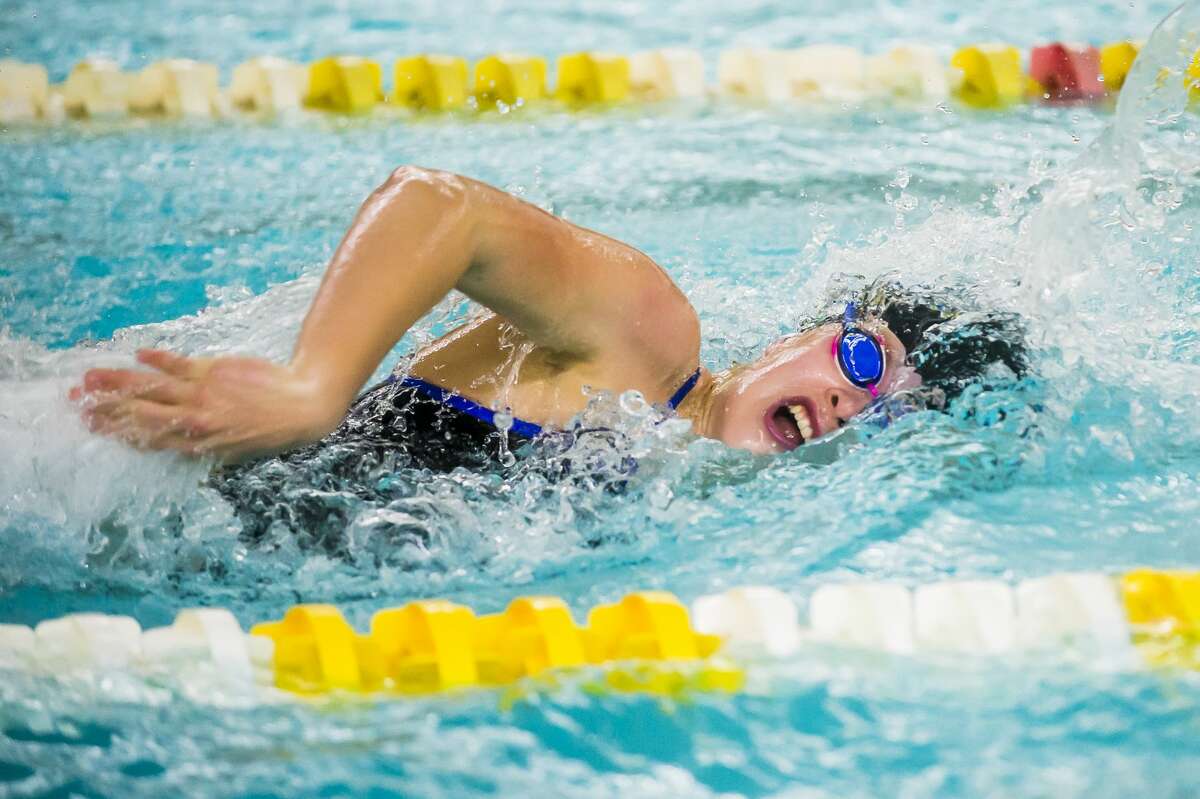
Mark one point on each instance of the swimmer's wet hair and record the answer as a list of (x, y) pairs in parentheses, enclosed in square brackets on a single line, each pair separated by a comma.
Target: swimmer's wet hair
[(950, 343)]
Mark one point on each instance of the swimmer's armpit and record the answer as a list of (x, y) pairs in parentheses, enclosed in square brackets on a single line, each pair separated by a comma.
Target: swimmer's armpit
[(231, 408)]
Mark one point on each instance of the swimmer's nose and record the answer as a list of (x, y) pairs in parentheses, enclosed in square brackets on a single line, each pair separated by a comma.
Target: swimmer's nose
[(840, 405)]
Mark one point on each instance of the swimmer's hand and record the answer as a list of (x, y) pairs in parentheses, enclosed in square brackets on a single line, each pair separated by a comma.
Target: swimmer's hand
[(229, 408)]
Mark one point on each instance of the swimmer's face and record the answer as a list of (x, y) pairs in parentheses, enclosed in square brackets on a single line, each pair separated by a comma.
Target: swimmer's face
[(796, 392)]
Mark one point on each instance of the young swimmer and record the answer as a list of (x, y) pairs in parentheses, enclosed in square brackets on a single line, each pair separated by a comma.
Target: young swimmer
[(571, 309)]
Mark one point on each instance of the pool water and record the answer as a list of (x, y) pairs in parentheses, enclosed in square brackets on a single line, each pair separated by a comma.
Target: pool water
[(210, 237)]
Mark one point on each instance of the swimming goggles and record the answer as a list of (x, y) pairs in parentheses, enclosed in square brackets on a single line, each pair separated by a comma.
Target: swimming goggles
[(859, 354)]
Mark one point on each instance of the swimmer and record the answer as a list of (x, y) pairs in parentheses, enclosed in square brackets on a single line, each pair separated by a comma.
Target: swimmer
[(570, 310)]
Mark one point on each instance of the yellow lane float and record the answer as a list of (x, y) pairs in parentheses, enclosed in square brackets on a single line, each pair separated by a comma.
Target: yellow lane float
[(317, 651), (1116, 60), (1191, 78), (1164, 610), (645, 642), (268, 84), (534, 634), (989, 76), (426, 646), (430, 82), (592, 78), (649, 625), (348, 84), (434, 645), (507, 80)]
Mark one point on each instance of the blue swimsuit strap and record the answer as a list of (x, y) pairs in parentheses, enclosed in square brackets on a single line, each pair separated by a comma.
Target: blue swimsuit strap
[(485, 414), (684, 390)]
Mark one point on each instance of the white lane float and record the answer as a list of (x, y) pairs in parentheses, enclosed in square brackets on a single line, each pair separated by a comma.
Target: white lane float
[(87, 640), (17, 645), (209, 637), (754, 74), (96, 87), (178, 87), (826, 73), (1075, 607), (268, 84), (672, 73), (24, 91), (1142, 617), (965, 616), (911, 73), (870, 615), (755, 618)]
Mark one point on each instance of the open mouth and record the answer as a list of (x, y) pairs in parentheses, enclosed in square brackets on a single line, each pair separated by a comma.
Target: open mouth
[(792, 423)]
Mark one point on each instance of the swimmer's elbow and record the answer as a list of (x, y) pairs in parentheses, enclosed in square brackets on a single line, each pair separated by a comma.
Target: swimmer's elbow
[(414, 198), (428, 184)]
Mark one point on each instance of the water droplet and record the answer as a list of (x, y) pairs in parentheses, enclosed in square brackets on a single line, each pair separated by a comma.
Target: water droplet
[(632, 402)]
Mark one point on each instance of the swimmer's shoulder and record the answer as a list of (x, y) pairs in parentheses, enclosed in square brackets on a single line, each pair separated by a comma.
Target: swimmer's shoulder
[(662, 331)]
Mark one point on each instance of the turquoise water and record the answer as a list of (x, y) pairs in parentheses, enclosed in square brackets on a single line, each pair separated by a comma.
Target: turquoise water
[(210, 236)]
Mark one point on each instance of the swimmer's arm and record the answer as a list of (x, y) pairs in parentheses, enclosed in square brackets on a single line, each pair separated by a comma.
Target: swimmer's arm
[(577, 293), (416, 237)]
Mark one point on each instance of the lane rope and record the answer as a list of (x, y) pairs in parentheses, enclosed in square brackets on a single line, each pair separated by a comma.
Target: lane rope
[(985, 76), (648, 641)]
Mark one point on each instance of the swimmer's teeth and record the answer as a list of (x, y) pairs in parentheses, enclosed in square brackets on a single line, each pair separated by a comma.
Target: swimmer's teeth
[(802, 421)]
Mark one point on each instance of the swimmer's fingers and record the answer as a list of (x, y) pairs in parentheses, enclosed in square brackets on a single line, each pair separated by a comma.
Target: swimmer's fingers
[(150, 425), (173, 364), (104, 386)]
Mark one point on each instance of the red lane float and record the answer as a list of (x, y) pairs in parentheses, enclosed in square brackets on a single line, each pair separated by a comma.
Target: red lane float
[(1066, 73)]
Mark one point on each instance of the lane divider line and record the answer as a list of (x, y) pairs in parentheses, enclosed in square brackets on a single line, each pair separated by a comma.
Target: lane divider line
[(981, 76), (647, 642)]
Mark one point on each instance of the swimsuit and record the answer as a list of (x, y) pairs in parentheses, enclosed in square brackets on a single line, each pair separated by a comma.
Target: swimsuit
[(407, 423), (521, 428), (439, 429)]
